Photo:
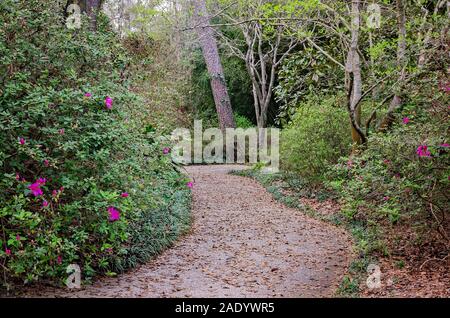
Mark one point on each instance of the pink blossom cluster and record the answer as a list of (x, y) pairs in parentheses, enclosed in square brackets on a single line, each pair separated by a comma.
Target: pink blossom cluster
[(114, 214), (422, 151), (35, 187), (108, 100)]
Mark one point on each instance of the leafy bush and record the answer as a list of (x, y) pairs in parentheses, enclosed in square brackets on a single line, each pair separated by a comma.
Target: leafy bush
[(81, 182), (302, 74), (403, 176), (243, 122), (161, 79), (316, 137)]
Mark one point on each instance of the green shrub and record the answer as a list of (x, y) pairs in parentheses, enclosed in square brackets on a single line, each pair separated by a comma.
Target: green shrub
[(81, 182), (403, 176), (161, 80), (317, 136), (242, 122)]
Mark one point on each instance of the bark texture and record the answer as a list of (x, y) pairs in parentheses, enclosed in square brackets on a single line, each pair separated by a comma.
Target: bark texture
[(210, 51), (91, 8), (401, 65), (353, 69)]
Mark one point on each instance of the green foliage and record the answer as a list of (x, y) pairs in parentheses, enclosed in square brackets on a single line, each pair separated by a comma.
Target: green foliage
[(243, 122), (301, 75), (316, 137), (88, 154), (349, 286), (143, 14), (202, 98), (161, 80), (391, 182)]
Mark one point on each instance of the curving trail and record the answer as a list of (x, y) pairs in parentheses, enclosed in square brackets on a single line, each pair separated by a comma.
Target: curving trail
[(242, 244)]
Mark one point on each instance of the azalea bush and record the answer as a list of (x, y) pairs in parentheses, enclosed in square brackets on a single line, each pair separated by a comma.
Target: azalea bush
[(82, 181), (403, 177)]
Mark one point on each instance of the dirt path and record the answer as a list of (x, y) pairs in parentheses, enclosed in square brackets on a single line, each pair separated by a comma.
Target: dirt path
[(243, 244)]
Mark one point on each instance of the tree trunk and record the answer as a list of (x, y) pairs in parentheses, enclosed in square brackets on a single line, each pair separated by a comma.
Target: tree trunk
[(210, 51), (261, 99), (401, 64), (262, 70), (353, 68), (91, 8)]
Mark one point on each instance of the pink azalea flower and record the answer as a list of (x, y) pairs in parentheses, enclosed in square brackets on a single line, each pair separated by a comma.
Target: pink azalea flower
[(445, 145), (422, 151), (445, 87), (41, 181), (59, 260), (8, 251), (22, 141), (190, 184), (166, 150), (18, 237), (114, 214), (386, 198), (62, 131), (44, 204), (108, 102), (88, 95), (125, 195), (17, 176), (54, 193), (46, 163), (386, 161), (36, 189), (406, 120)]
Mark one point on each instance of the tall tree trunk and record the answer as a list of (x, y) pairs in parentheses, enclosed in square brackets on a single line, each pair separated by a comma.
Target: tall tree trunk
[(401, 65), (91, 8), (211, 54), (176, 36), (353, 69)]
